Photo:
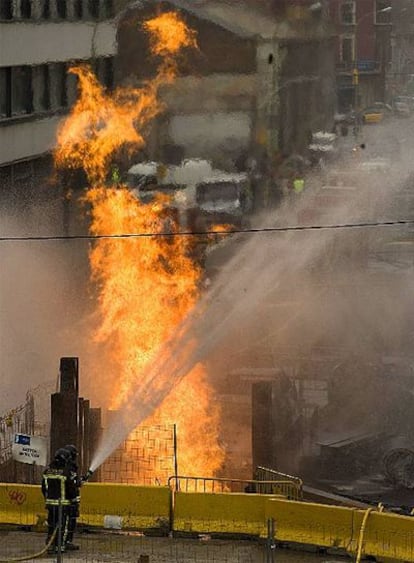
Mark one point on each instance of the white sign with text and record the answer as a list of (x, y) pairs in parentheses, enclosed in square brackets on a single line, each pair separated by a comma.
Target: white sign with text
[(30, 449)]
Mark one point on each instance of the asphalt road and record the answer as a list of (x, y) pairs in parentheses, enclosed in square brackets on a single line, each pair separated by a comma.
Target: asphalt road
[(120, 548)]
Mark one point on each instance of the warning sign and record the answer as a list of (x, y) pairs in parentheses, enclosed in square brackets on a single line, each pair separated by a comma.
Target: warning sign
[(30, 449)]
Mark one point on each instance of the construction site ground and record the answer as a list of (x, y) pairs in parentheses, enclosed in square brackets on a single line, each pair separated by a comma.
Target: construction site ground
[(127, 547)]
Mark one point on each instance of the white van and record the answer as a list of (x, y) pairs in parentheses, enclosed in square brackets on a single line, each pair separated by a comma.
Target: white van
[(201, 195)]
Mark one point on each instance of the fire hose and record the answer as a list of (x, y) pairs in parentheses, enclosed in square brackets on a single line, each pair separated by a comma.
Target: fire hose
[(35, 555), (380, 508)]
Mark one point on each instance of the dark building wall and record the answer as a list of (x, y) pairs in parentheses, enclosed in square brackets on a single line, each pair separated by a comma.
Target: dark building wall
[(307, 92), (277, 432), (220, 51)]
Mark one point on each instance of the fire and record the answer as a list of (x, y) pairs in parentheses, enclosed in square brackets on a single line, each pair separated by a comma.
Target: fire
[(100, 124), (169, 35), (146, 285)]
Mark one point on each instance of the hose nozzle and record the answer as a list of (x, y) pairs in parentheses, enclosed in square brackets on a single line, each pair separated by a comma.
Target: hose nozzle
[(87, 476)]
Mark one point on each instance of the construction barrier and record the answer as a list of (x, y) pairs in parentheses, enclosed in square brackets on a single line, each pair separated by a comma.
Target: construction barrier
[(125, 506), (220, 513), (374, 533), (103, 505), (21, 504), (361, 532)]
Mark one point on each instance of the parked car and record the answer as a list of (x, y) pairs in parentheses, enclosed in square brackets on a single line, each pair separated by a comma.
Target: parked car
[(376, 113)]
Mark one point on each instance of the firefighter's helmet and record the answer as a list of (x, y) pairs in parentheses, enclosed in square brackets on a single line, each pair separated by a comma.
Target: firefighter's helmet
[(73, 451), (61, 457)]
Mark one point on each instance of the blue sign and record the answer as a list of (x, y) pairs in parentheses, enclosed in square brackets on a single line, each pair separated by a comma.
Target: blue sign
[(22, 439), (366, 65)]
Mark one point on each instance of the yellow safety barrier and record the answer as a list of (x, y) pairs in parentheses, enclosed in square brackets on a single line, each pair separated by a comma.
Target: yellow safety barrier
[(360, 532), (310, 523), (374, 533), (234, 513), (130, 506), (21, 504), (127, 506)]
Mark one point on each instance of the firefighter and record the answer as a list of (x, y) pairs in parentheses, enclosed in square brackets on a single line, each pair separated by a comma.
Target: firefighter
[(73, 511), (59, 490)]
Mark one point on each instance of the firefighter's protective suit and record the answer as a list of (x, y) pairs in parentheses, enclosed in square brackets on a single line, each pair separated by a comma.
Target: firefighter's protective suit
[(73, 510), (59, 490)]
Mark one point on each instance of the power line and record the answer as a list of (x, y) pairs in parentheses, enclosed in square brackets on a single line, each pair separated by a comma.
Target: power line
[(222, 232)]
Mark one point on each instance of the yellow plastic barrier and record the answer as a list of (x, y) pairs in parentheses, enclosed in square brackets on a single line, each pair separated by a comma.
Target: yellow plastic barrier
[(383, 536), (311, 523), (389, 536), (234, 513), (21, 504), (130, 506), (378, 534)]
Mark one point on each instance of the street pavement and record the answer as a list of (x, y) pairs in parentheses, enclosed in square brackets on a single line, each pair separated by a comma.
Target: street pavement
[(124, 547)]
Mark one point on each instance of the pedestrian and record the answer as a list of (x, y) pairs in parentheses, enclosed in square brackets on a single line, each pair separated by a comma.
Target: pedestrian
[(59, 490), (298, 184), (73, 510)]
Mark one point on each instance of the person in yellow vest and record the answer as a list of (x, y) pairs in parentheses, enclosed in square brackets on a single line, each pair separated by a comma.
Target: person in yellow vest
[(115, 176), (298, 184)]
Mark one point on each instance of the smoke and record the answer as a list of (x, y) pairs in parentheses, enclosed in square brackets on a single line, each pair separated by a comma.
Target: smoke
[(293, 289), (40, 298)]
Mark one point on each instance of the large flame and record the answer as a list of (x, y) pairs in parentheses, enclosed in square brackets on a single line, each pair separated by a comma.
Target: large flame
[(146, 284), (169, 35)]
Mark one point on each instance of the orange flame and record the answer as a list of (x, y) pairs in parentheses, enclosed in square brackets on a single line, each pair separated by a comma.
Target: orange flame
[(147, 284), (169, 35), (100, 124)]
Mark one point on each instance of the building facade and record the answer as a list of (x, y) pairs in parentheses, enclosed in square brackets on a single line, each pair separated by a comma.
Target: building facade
[(257, 86), (401, 75), (39, 41), (363, 50)]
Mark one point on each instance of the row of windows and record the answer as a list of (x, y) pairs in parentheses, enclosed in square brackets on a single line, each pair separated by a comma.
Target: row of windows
[(381, 12), (30, 90), (56, 9)]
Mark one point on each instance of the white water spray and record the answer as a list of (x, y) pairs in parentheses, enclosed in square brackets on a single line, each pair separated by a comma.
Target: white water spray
[(264, 263)]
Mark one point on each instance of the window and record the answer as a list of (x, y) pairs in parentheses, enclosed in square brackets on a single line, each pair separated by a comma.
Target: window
[(347, 48), (77, 9), (93, 6), (107, 72), (108, 9), (46, 9), (5, 110), (383, 12), (61, 8), (21, 90), (25, 9), (348, 13), (57, 81), (103, 68), (41, 88), (6, 9)]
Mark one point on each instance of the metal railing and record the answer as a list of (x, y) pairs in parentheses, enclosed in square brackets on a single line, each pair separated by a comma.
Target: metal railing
[(265, 475), (288, 487)]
